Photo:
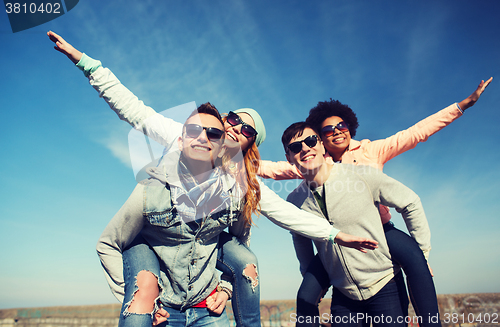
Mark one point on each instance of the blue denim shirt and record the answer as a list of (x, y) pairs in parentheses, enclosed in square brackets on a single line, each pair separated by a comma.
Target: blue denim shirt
[(187, 250)]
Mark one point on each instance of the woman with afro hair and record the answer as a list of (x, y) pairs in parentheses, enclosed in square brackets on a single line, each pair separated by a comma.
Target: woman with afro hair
[(336, 123)]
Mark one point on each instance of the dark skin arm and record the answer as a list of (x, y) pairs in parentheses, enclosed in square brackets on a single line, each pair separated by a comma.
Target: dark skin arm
[(471, 99)]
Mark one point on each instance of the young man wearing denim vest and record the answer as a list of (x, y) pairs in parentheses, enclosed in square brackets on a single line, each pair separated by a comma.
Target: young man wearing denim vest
[(368, 287), (169, 229)]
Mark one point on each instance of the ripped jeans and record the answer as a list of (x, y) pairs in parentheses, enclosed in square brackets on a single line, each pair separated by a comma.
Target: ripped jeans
[(139, 256), (238, 262)]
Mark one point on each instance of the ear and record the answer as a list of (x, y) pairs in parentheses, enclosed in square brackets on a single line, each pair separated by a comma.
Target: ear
[(288, 159), (179, 143), (323, 149)]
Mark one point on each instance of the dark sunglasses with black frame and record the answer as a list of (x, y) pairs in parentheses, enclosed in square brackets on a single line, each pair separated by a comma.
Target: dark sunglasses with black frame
[(247, 130), (330, 129), (310, 141), (213, 134)]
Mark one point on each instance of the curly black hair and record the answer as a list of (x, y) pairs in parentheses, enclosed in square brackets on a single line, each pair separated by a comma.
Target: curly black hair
[(325, 109)]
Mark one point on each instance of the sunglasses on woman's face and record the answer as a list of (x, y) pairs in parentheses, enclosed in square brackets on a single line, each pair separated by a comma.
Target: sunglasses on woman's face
[(213, 134), (330, 129), (247, 130), (310, 141)]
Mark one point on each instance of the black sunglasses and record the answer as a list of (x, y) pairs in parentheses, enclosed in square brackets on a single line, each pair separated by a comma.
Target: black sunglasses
[(330, 129), (310, 141), (247, 130), (213, 134)]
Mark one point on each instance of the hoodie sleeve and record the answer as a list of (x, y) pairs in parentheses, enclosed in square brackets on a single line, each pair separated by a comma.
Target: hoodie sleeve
[(128, 107), (119, 233), (304, 250), (392, 193)]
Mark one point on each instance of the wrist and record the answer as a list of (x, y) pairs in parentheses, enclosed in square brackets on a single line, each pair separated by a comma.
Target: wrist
[(221, 288), (88, 65), (75, 56), (465, 104), (333, 235)]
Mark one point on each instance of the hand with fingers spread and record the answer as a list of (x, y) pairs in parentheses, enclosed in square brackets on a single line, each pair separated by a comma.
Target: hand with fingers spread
[(360, 243), (64, 47)]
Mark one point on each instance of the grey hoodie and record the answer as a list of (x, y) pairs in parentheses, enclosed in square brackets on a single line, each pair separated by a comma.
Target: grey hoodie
[(352, 194)]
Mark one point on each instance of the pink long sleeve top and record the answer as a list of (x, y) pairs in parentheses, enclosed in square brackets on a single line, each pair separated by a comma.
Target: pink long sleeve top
[(374, 153)]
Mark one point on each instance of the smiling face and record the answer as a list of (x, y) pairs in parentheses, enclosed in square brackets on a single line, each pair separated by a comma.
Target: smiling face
[(200, 150), (337, 143), (309, 159), (234, 138)]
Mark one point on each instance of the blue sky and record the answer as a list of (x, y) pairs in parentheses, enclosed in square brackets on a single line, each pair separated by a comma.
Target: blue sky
[(65, 164)]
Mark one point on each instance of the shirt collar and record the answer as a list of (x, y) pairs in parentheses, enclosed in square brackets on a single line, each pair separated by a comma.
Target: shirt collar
[(353, 145), (167, 171)]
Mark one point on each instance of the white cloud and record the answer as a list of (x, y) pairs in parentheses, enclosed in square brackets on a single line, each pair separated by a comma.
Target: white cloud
[(119, 148), (112, 134)]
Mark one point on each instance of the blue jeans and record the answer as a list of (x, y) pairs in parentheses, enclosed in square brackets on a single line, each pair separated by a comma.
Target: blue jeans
[(140, 256), (195, 317), (389, 307), (233, 258), (405, 251), (314, 284), (137, 257)]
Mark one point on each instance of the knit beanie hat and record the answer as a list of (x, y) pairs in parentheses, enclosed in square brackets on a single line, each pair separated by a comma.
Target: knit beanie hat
[(259, 124)]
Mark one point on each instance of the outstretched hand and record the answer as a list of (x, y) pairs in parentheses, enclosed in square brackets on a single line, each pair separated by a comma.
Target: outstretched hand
[(64, 47), (355, 242), (217, 302), (471, 99)]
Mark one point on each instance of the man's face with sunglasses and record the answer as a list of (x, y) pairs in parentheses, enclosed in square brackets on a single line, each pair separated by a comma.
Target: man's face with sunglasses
[(306, 151), (335, 135), (202, 138)]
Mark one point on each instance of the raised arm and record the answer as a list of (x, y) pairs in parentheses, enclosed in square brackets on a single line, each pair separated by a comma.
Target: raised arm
[(126, 105), (386, 149)]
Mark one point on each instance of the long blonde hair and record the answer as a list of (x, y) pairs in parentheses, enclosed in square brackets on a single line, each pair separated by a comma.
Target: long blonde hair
[(252, 196), (251, 160)]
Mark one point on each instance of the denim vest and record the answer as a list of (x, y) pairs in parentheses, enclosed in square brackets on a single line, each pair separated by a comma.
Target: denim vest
[(187, 251)]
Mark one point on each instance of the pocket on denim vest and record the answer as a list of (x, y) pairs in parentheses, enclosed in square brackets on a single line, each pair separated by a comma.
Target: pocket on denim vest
[(166, 218)]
